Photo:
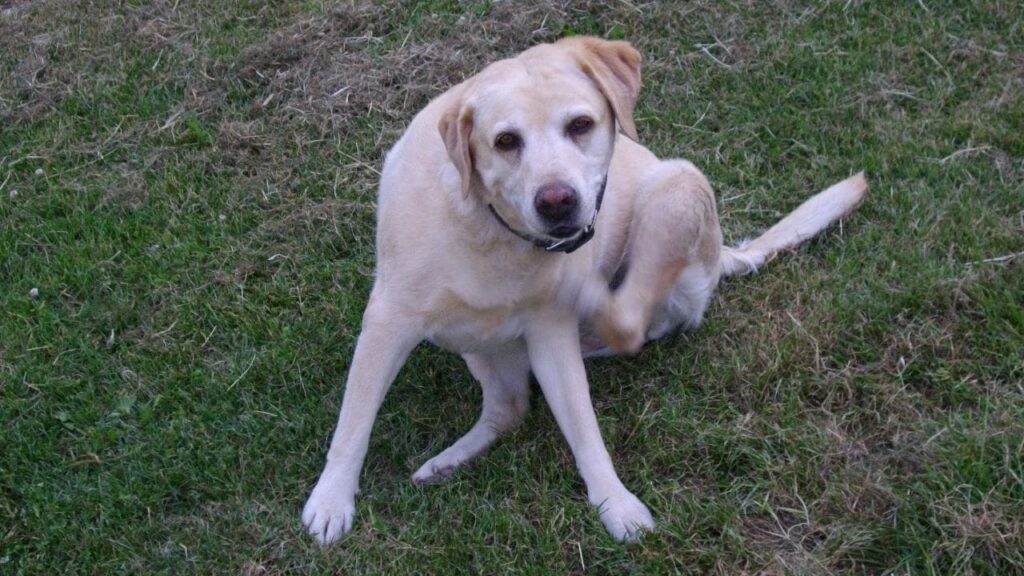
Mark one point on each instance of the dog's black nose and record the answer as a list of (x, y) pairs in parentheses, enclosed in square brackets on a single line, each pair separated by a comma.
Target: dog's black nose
[(556, 202)]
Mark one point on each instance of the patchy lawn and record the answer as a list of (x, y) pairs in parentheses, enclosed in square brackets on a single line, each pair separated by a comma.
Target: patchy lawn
[(186, 222)]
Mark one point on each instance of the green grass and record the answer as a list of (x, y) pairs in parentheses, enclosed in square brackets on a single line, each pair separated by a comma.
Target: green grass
[(194, 204)]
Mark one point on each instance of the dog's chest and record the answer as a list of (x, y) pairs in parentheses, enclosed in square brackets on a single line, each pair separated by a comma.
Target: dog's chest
[(460, 327)]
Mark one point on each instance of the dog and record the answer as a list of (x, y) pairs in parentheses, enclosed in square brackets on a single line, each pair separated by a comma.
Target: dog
[(522, 225)]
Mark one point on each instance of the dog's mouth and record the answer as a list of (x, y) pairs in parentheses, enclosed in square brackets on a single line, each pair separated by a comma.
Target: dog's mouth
[(569, 238), (563, 231)]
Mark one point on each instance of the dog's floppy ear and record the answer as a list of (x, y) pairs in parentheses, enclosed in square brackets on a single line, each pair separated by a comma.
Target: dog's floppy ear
[(615, 67), (455, 127)]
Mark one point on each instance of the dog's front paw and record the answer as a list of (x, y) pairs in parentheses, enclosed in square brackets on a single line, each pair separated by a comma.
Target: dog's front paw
[(625, 516), (330, 511)]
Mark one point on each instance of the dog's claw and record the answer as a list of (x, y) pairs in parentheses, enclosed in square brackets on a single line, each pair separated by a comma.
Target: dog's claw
[(330, 511)]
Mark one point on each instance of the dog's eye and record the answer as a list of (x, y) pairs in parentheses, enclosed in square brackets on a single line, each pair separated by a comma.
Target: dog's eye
[(506, 141), (580, 126)]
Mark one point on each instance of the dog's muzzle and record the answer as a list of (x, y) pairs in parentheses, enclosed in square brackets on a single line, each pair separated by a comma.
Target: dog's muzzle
[(569, 243)]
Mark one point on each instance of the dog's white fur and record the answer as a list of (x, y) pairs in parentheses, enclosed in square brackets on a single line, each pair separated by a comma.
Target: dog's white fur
[(449, 272)]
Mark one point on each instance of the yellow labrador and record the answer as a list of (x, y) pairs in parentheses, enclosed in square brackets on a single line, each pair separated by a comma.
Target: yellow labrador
[(520, 228)]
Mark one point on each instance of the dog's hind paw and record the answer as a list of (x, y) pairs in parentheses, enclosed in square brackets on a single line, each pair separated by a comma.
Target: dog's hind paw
[(441, 467), (432, 473), (621, 328)]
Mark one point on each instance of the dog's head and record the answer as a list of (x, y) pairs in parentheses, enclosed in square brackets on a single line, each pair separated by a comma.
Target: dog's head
[(534, 135)]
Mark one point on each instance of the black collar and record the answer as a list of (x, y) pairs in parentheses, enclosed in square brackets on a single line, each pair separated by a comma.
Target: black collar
[(566, 245)]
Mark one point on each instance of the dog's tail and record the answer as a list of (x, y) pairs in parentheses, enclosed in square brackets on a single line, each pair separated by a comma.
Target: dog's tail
[(810, 218)]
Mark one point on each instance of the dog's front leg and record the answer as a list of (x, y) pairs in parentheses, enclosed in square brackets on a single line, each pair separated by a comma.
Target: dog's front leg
[(554, 349), (384, 344)]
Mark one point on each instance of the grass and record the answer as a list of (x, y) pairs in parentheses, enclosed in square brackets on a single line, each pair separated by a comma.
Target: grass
[(189, 186)]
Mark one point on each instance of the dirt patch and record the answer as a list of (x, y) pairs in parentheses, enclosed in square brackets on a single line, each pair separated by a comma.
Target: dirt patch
[(350, 61), (347, 62)]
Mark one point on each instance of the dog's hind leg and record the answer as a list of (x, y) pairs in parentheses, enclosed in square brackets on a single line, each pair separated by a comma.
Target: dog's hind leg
[(673, 250), (504, 379)]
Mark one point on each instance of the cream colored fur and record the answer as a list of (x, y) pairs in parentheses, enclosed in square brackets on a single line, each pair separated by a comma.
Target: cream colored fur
[(449, 272)]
